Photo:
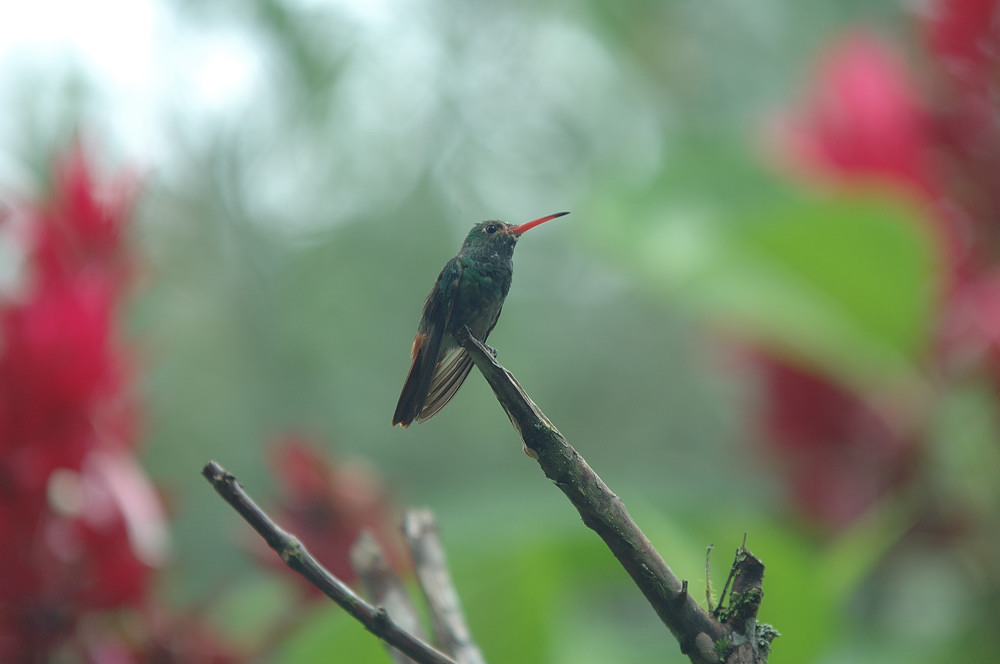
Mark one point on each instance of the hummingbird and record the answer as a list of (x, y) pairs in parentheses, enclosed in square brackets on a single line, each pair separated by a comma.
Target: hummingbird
[(469, 292)]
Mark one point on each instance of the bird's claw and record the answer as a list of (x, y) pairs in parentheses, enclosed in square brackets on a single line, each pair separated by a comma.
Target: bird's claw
[(493, 351)]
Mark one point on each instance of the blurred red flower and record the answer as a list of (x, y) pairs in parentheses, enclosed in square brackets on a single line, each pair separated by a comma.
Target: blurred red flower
[(81, 527), (841, 454), (327, 504)]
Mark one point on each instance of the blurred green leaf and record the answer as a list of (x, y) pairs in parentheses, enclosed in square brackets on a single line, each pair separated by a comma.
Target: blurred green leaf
[(854, 281), (808, 582), (330, 636), (965, 454), (247, 611), (844, 282)]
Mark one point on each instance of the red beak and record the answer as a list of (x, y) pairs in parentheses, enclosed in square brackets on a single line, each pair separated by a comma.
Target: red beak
[(517, 230)]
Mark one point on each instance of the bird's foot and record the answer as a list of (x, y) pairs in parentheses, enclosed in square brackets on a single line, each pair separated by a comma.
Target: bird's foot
[(493, 351)]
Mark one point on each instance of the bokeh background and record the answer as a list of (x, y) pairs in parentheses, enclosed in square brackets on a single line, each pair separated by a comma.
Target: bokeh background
[(774, 310)]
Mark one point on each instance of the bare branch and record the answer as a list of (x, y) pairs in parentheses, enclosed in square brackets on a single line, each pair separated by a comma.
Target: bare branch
[(384, 587), (452, 633), (295, 555), (602, 511)]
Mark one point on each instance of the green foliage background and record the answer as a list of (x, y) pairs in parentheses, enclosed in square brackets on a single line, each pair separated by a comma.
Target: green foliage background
[(292, 232)]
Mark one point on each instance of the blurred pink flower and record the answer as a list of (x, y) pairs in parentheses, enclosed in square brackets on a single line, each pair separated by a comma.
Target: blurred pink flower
[(861, 119), (864, 123)]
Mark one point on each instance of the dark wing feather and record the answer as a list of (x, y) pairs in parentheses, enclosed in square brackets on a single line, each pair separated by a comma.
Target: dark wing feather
[(449, 377), (427, 345), (409, 402)]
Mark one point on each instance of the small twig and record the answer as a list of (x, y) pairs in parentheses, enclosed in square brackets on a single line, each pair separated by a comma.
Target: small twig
[(725, 589), (384, 587), (452, 632), (733, 571), (751, 639), (601, 510), (708, 576), (295, 555)]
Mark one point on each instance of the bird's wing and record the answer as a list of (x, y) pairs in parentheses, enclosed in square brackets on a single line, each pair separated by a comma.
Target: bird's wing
[(450, 374), (427, 345), (448, 378)]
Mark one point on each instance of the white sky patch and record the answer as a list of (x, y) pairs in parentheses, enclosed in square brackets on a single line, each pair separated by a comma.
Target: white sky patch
[(108, 42), (414, 93), (222, 69), (142, 65), (113, 35)]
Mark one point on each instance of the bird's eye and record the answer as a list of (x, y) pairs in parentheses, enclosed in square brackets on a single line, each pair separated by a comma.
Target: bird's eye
[(491, 229)]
